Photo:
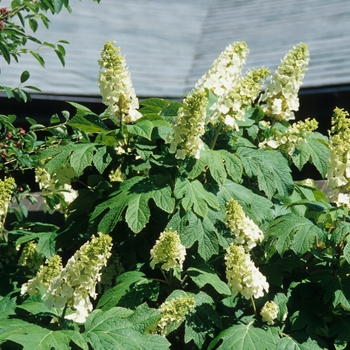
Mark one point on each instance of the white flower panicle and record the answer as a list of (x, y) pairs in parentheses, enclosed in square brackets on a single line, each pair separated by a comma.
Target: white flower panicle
[(246, 232), (116, 86), (269, 312), (225, 70), (232, 104), (174, 312), (287, 140), (6, 190), (75, 284), (242, 275), (44, 276), (189, 126), (280, 98), (338, 172), (56, 188), (168, 251)]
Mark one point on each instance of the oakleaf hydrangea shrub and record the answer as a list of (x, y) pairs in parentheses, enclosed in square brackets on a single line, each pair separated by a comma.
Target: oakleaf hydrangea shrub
[(183, 226)]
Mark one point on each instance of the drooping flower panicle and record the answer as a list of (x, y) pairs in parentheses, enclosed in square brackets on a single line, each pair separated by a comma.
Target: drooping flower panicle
[(168, 251), (174, 312), (233, 103), (225, 70), (280, 99), (116, 85), (246, 232), (338, 172), (44, 276), (242, 275), (56, 188), (76, 282), (6, 190), (291, 138), (189, 126)]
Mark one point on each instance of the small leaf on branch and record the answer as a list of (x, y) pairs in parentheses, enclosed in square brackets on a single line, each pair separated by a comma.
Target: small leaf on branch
[(24, 76)]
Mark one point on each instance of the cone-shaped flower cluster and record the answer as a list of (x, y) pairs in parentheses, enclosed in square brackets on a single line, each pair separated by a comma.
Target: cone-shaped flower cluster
[(232, 104), (225, 70), (6, 190), (246, 232), (287, 140), (174, 312), (242, 275), (116, 86), (168, 251), (338, 173), (280, 99), (269, 312), (44, 276), (189, 126), (76, 282)]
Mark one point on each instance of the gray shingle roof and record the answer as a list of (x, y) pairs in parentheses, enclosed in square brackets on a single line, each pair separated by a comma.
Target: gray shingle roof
[(169, 44)]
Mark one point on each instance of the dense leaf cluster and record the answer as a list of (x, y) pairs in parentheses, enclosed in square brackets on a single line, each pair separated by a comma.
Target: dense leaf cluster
[(131, 186)]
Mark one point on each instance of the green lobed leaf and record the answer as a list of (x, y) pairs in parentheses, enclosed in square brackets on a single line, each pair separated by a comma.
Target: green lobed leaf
[(134, 283), (144, 317), (102, 158), (90, 123), (293, 232), (243, 337), (109, 211), (7, 306), (134, 194), (341, 232), (202, 231), (233, 165), (142, 127), (157, 103), (142, 190), (194, 195), (314, 149), (34, 337), (205, 275), (213, 161), (288, 343), (82, 157), (114, 329), (58, 155), (346, 252), (270, 168), (203, 321), (256, 207), (35, 305)]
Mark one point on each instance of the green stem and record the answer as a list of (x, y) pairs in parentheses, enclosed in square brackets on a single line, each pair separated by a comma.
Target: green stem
[(64, 311), (218, 130), (253, 304), (160, 280)]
